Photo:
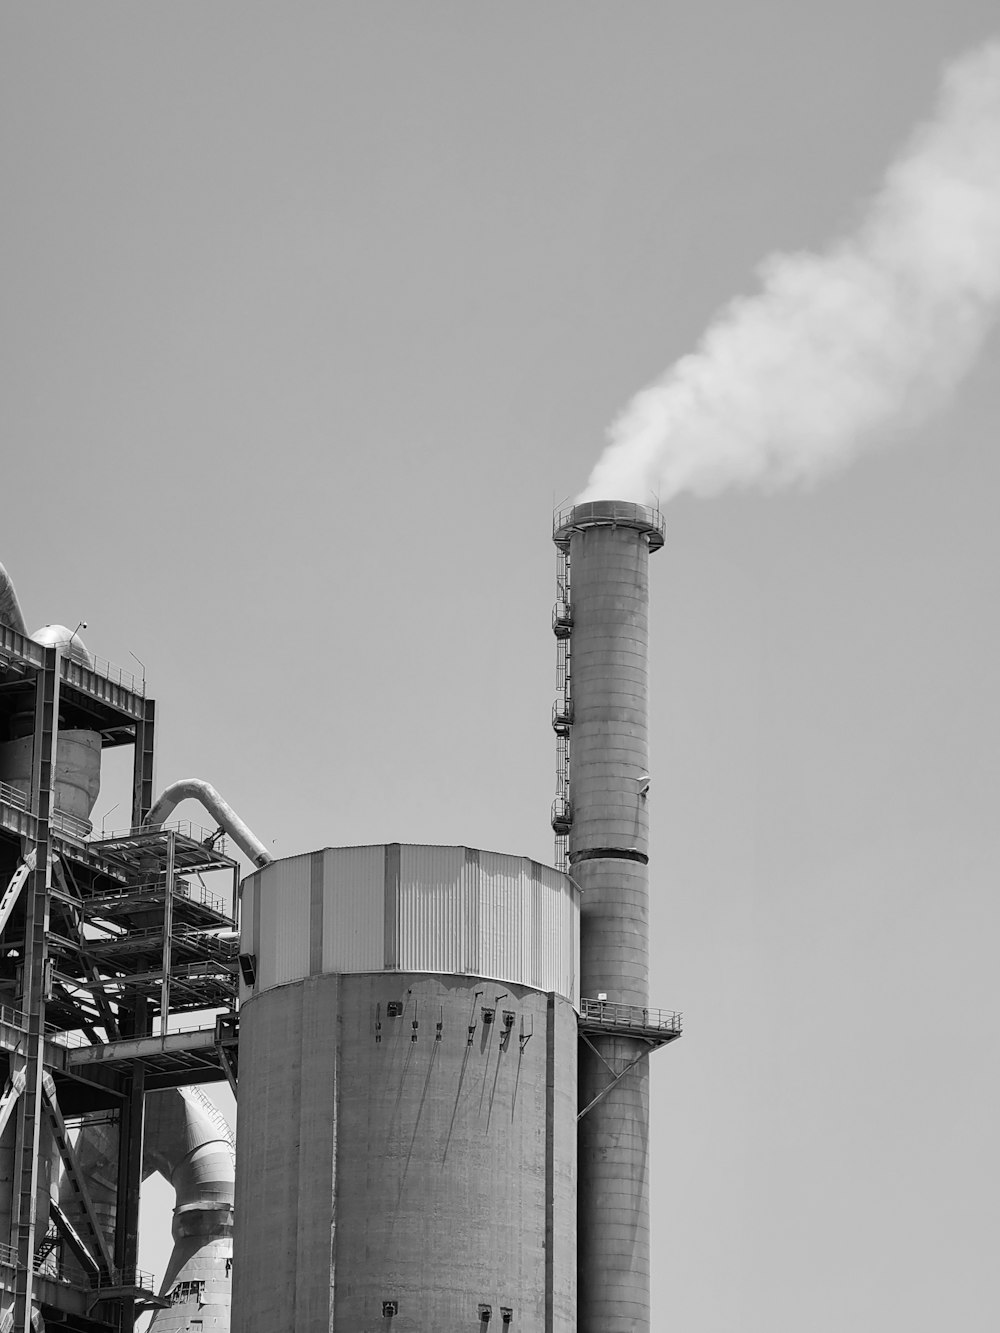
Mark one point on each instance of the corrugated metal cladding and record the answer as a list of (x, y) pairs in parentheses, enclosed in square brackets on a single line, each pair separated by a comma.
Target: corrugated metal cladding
[(413, 909)]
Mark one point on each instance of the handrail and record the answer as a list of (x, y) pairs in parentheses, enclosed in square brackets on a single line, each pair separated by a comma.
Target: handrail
[(193, 893), (13, 796), (607, 513), (61, 820), (76, 1040), (124, 1277), (616, 1015), (187, 828), (15, 1017), (24, 648)]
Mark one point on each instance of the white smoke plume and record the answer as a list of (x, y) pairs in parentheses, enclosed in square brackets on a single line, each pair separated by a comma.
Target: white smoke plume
[(837, 349)]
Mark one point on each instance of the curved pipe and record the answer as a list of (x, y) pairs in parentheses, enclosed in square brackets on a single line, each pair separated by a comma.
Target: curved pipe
[(227, 818), (10, 607)]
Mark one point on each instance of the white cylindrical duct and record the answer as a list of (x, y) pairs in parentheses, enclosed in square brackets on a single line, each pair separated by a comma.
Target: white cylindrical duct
[(608, 544), (188, 1141), (196, 789)]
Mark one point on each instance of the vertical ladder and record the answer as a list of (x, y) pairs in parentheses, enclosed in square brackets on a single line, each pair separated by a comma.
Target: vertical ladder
[(562, 710)]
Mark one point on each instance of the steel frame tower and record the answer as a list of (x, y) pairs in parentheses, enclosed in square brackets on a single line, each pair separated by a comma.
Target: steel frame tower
[(101, 939)]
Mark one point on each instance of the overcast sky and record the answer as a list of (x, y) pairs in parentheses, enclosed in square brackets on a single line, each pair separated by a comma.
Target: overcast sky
[(311, 312)]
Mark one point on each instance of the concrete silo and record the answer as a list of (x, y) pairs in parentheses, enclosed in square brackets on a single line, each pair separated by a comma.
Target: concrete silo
[(408, 1051)]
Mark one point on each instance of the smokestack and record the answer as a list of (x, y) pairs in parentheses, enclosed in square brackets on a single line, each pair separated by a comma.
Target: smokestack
[(605, 548)]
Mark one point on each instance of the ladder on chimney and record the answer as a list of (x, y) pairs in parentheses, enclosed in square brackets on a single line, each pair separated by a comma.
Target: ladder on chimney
[(562, 709)]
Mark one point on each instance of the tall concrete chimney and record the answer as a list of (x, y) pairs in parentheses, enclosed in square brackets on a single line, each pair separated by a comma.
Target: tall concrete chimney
[(605, 548)]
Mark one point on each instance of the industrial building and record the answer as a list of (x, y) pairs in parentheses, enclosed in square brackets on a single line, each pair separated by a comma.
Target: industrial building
[(440, 1053)]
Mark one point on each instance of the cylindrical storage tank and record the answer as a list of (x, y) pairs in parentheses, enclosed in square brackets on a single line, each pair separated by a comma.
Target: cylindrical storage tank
[(608, 544), (407, 1094), (77, 776)]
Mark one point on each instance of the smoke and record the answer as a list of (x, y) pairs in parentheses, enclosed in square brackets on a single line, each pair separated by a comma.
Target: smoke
[(840, 348)]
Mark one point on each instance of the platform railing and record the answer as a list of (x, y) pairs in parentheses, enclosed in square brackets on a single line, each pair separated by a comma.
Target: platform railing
[(13, 796), (618, 1016), (72, 1038), (196, 832), (194, 893), (12, 1017), (61, 821), (125, 1277), (117, 675)]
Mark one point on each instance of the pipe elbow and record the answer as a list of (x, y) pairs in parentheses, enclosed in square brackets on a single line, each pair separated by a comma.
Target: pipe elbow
[(196, 789)]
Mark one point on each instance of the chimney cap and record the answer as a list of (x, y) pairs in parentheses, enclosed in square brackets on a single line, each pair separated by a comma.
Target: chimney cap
[(608, 514)]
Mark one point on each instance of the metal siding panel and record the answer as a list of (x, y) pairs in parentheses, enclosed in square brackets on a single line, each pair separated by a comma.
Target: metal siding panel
[(248, 889), (458, 911), (353, 909), (287, 899), (500, 906), (431, 886), (470, 957)]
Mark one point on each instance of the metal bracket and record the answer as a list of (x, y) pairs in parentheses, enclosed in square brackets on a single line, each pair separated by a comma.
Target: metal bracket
[(616, 1077)]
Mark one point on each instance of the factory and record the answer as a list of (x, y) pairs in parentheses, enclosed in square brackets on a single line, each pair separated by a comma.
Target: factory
[(440, 1054)]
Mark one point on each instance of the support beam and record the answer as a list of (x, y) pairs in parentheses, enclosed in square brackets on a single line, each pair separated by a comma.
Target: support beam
[(143, 767), (74, 1240), (168, 927), (130, 1176), (12, 893), (616, 1077), (64, 874), (76, 1177), (8, 1100), (33, 985)]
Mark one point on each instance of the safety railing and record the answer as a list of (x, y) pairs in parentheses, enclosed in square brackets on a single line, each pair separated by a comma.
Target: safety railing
[(178, 1027), (13, 796), (194, 893), (12, 1017), (196, 832), (21, 648), (71, 826), (61, 1037), (116, 675), (124, 1277), (61, 821), (618, 1016), (8, 1256)]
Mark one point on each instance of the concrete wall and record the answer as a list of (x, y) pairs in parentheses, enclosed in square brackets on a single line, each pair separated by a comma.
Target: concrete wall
[(438, 1173)]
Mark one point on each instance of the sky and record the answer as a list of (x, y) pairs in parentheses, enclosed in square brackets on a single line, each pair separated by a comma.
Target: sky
[(312, 313)]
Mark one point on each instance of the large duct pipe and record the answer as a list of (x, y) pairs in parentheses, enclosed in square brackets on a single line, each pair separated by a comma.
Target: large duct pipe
[(609, 545), (10, 607), (221, 811), (187, 1140)]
